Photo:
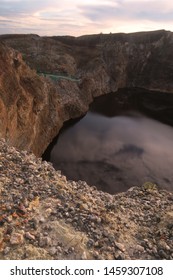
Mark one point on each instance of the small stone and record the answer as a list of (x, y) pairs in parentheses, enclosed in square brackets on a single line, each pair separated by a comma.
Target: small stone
[(105, 234), (66, 214), (131, 189), (47, 227), (96, 255), (84, 256), (154, 249), (8, 207), (48, 205), (163, 245), (84, 206), (48, 211), (31, 196), (44, 241), (71, 249), (118, 255), (52, 250), (139, 248), (33, 223), (59, 249), (99, 220), (9, 229), (163, 254), (119, 246), (90, 243), (9, 219), (30, 236), (150, 245), (6, 250), (26, 203), (16, 238), (42, 220), (21, 209)]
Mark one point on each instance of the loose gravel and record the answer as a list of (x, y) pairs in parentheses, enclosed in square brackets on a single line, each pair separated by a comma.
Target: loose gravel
[(45, 216)]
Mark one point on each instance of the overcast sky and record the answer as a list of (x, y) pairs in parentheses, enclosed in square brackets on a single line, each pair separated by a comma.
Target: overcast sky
[(78, 17)]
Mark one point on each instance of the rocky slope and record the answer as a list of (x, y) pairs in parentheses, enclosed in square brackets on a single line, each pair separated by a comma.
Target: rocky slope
[(44, 216), (37, 107)]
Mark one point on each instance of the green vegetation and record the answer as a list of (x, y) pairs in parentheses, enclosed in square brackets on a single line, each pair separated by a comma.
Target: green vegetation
[(57, 77)]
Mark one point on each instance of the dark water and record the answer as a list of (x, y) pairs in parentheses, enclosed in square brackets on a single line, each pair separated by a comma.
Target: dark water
[(115, 147)]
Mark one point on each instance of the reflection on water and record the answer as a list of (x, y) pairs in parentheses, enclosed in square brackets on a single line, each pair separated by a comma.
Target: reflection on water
[(116, 152)]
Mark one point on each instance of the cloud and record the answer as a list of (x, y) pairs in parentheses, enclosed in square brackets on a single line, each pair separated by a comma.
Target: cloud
[(130, 15), (48, 16), (78, 17), (145, 9)]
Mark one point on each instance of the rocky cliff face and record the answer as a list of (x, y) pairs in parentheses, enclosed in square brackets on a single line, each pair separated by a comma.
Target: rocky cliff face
[(25, 102), (34, 108), (30, 107)]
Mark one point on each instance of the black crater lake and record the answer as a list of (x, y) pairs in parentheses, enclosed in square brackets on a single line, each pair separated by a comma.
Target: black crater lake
[(125, 139)]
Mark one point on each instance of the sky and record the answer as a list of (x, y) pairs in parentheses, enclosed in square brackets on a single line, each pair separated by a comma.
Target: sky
[(77, 17)]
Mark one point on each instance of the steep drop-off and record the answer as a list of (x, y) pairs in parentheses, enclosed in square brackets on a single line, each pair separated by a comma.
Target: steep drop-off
[(31, 108), (36, 107), (42, 215)]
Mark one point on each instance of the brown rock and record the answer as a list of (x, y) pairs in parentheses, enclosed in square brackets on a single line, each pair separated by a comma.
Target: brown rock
[(30, 236), (16, 238)]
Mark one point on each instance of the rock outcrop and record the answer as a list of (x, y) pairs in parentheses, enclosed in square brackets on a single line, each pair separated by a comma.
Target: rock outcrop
[(34, 108)]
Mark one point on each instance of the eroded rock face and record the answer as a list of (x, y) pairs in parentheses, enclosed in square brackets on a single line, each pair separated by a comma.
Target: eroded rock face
[(25, 102), (33, 108)]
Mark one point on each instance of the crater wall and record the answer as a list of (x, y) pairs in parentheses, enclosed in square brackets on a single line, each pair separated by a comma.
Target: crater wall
[(33, 108)]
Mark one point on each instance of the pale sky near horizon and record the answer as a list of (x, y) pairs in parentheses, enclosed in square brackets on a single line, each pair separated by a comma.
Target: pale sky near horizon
[(77, 17)]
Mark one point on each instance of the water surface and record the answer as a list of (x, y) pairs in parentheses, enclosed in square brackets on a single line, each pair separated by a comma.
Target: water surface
[(115, 149)]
